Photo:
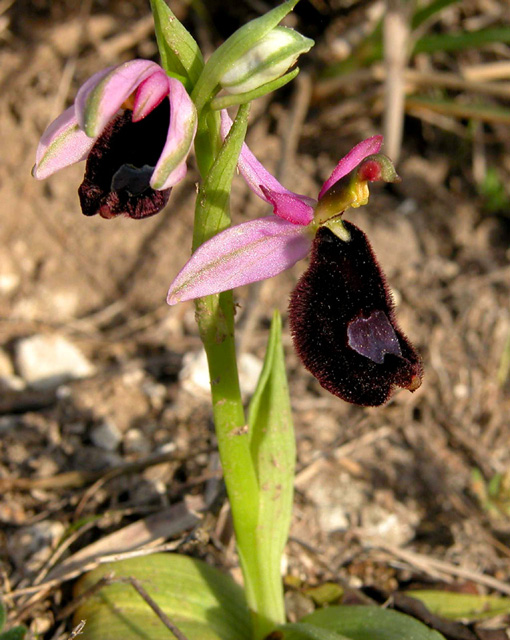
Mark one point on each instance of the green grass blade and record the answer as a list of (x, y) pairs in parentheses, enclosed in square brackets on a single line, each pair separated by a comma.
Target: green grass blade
[(462, 606), (422, 15), (462, 40)]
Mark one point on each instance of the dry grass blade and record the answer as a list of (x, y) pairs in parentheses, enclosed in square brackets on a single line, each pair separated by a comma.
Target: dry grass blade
[(433, 566), (77, 630), (155, 607), (413, 78), (396, 36), (137, 586)]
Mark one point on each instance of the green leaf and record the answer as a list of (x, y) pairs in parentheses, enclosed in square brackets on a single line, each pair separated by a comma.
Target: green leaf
[(371, 623), (16, 633), (326, 593), (180, 54), (202, 602), (304, 631), (3, 615), (233, 48), (222, 102), (273, 451), (462, 606)]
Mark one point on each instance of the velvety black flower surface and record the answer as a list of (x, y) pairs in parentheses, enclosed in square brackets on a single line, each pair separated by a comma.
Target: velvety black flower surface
[(120, 165), (343, 323)]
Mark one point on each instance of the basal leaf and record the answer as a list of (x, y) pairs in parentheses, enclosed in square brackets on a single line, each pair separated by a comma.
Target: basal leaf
[(304, 631), (371, 623), (202, 602)]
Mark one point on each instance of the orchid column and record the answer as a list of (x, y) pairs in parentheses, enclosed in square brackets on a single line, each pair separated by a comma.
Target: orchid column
[(251, 63)]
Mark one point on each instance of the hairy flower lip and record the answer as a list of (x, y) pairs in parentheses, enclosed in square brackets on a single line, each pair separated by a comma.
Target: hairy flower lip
[(115, 181), (143, 84), (343, 323)]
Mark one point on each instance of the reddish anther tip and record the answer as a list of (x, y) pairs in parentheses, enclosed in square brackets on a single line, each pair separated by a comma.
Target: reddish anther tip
[(370, 170)]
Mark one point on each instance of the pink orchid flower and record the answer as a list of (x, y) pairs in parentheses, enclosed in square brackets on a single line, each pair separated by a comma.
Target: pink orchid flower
[(341, 312), (135, 126)]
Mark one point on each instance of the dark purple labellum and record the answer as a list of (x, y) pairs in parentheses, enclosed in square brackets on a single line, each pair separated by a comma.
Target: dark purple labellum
[(343, 323), (120, 165)]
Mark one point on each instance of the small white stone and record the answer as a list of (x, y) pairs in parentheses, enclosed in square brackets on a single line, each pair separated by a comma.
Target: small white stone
[(136, 442), (396, 527), (194, 375), (35, 543), (50, 360), (106, 436)]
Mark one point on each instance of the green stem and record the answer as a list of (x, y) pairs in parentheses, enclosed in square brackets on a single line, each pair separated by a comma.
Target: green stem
[(215, 318)]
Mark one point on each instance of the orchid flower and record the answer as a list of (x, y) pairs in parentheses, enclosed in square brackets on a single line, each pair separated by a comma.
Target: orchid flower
[(341, 312), (135, 126)]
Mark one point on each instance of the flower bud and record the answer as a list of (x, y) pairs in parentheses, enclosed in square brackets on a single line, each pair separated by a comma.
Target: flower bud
[(267, 60)]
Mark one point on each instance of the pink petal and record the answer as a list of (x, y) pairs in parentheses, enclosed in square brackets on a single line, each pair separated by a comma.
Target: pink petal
[(239, 255), (171, 166), (289, 206), (99, 99), (149, 94), (295, 208), (356, 155), (61, 145)]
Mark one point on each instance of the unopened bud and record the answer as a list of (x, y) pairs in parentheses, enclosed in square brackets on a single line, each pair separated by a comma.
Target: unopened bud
[(267, 60)]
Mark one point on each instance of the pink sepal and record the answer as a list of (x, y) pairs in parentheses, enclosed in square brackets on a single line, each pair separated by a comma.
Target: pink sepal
[(171, 166), (61, 145), (246, 253)]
